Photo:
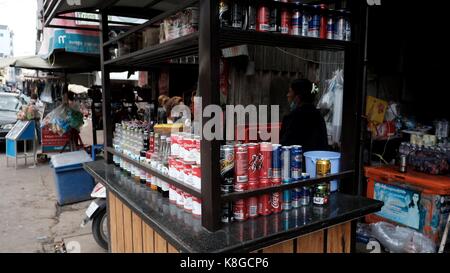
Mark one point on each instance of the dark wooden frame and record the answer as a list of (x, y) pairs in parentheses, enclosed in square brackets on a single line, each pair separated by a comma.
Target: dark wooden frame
[(207, 43)]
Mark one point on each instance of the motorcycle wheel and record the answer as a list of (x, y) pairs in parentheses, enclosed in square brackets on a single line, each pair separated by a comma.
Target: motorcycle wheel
[(100, 229)]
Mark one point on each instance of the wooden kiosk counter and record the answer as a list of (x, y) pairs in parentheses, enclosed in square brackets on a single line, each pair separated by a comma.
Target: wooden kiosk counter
[(142, 220)]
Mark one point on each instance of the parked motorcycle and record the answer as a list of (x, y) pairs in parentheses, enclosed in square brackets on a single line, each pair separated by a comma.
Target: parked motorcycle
[(97, 213)]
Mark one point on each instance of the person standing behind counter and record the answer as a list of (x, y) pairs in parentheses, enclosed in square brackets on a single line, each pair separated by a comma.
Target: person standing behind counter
[(304, 125)]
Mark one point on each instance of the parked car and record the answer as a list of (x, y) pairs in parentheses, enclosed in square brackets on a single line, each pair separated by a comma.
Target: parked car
[(10, 105)]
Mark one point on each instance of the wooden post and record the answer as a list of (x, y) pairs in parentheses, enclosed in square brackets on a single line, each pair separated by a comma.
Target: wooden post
[(209, 69)]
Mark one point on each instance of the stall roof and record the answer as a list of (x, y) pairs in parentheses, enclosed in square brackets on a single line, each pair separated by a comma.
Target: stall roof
[(59, 61), (145, 9)]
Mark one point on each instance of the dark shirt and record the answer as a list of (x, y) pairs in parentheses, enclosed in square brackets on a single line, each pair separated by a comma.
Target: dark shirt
[(161, 116), (305, 126)]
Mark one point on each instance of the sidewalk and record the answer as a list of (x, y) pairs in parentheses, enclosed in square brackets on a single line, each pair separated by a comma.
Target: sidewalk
[(31, 221)]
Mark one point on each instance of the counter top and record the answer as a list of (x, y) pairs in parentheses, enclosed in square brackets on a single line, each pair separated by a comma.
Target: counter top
[(186, 233)]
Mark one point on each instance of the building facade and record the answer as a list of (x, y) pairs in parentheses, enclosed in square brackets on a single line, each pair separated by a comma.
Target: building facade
[(6, 42)]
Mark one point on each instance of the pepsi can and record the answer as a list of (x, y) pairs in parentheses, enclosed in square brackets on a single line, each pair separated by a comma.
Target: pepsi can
[(314, 24), (296, 23), (287, 200), (296, 197), (276, 162), (286, 164), (296, 162), (330, 28)]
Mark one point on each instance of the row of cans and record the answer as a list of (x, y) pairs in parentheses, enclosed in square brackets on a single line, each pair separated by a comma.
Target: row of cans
[(187, 172), (185, 146), (185, 201), (308, 21), (264, 205), (251, 166)]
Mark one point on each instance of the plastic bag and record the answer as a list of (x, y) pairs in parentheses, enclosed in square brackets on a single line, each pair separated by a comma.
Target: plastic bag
[(46, 95), (402, 240), (62, 119), (332, 100)]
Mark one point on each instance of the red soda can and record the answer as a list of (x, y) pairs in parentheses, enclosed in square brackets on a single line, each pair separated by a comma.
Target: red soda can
[(241, 168), (323, 23), (240, 210), (275, 201), (254, 163), (263, 18), (252, 202), (264, 204), (266, 161), (285, 21), (277, 197)]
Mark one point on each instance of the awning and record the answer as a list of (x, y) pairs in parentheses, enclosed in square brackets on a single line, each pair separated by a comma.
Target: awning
[(57, 62)]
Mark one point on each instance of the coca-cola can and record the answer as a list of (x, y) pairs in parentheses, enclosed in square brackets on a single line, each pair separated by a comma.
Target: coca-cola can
[(266, 160), (187, 170), (175, 144), (285, 27), (180, 198), (252, 202), (188, 203), (197, 176), (264, 206), (197, 148), (196, 207), (189, 146), (276, 201), (172, 168), (263, 18), (240, 211), (241, 167), (254, 162), (179, 167), (172, 194)]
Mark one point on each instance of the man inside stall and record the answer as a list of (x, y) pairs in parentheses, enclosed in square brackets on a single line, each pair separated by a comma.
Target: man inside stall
[(304, 125)]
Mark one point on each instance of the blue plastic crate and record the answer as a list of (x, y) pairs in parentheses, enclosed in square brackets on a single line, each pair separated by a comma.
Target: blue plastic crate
[(73, 183)]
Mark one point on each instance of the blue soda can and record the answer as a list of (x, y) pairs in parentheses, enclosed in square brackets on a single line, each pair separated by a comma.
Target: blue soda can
[(296, 197), (285, 217), (296, 162), (339, 29), (287, 200), (296, 23), (330, 28), (286, 164), (314, 24), (276, 161), (347, 30), (306, 18), (305, 196)]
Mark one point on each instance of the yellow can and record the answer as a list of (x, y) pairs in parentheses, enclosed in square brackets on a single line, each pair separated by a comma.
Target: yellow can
[(323, 167)]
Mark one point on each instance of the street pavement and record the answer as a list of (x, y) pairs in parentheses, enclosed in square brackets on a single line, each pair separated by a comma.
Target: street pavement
[(30, 219)]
